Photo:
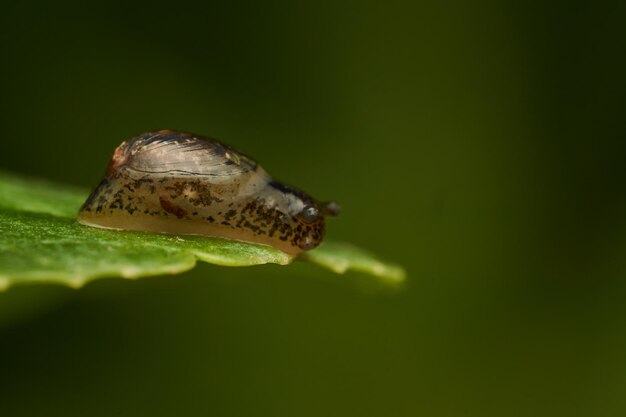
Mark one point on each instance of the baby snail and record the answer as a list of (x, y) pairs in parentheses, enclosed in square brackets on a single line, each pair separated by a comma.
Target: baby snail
[(180, 183)]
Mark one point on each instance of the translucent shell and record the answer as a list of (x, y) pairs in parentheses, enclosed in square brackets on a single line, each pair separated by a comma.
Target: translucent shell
[(175, 182), (174, 153)]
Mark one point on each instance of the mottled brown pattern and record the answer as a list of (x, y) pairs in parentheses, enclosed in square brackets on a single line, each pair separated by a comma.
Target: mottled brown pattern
[(172, 208), (247, 205)]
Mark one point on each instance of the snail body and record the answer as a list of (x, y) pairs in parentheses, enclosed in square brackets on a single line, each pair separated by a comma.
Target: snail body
[(179, 183)]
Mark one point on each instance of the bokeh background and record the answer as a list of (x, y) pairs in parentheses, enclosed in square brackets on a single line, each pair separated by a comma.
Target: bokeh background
[(479, 144)]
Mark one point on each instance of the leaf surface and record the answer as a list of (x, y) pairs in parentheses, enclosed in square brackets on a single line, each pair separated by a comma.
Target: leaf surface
[(40, 241)]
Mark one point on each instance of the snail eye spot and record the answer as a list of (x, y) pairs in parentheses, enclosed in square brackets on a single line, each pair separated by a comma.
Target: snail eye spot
[(309, 214)]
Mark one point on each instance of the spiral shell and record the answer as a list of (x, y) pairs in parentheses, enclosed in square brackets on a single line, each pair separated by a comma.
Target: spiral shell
[(179, 183)]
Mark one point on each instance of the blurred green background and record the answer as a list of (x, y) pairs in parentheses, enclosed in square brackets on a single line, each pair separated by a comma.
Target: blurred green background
[(480, 144)]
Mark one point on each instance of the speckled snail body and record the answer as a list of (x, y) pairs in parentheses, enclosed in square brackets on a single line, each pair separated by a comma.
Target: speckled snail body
[(180, 183)]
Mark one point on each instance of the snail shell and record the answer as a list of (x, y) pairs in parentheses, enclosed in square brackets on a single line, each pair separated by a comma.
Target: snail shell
[(180, 183)]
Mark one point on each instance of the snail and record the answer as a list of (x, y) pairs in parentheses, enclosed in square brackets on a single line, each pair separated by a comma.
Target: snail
[(174, 182)]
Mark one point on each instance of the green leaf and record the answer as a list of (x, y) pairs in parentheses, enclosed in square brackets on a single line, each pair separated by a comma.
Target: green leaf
[(40, 241), (341, 257)]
